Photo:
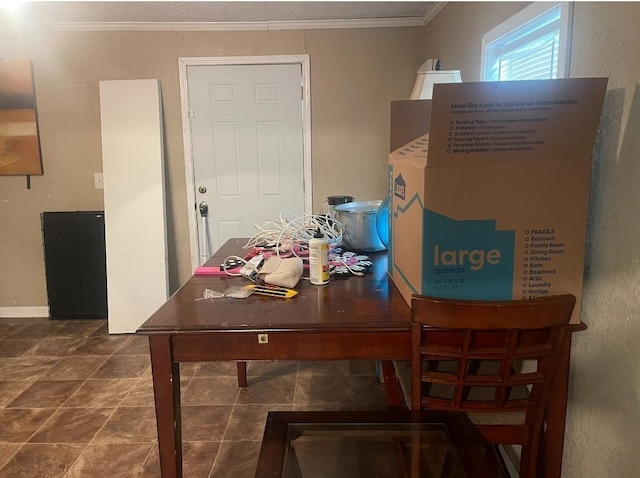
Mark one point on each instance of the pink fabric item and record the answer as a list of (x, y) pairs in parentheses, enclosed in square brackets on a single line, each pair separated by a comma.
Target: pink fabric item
[(214, 271)]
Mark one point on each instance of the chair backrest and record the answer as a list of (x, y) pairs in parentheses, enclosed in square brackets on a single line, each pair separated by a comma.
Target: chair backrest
[(487, 356)]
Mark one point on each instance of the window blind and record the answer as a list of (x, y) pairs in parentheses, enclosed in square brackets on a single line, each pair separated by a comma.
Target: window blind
[(537, 60), (528, 52)]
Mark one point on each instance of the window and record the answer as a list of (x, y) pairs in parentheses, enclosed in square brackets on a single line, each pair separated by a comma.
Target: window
[(534, 44)]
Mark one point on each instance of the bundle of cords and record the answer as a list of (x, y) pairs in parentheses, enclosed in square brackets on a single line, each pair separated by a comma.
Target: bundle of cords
[(290, 234)]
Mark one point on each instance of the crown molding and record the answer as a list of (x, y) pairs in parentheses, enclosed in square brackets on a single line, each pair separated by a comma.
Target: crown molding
[(432, 12), (228, 26)]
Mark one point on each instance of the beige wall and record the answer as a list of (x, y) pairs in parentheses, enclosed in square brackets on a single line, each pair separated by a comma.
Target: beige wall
[(355, 73), (604, 393), (354, 76)]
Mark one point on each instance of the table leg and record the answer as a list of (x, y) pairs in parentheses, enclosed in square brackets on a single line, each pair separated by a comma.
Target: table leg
[(166, 390), (556, 414), (242, 373), (391, 387)]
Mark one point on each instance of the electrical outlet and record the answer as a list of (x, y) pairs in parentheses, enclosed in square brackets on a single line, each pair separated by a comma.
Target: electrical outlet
[(97, 181)]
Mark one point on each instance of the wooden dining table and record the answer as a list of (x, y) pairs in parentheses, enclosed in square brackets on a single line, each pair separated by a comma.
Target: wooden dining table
[(349, 318)]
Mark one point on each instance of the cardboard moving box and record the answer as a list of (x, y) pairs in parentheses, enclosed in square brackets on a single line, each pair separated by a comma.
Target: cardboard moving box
[(489, 197)]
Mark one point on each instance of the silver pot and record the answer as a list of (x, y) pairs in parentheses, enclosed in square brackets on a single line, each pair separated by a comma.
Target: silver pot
[(360, 225)]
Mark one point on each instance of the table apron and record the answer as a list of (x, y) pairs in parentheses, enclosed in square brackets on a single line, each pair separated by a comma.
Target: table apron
[(291, 346)]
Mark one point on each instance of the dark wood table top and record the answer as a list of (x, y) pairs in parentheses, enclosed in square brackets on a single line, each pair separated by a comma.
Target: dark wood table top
[(371, 302)]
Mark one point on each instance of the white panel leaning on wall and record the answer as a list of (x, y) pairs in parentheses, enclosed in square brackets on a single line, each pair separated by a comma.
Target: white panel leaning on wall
[(134, 201)]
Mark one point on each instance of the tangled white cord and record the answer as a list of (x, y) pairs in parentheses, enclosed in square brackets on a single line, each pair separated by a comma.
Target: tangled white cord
[(290, 232), (237, 259)]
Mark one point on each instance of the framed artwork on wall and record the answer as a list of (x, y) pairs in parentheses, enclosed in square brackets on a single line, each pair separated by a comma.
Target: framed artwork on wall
[(19, 142)]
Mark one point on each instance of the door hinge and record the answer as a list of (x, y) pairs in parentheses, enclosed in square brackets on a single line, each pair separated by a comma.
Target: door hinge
[(190, 114)]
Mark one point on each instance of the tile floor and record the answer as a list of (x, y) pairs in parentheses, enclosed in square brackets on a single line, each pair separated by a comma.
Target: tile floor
[(76, 402)]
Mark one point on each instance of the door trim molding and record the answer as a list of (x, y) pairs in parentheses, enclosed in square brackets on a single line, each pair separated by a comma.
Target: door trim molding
[(183, 63)]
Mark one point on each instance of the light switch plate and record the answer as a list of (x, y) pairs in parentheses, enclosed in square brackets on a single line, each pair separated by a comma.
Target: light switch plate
[(97, 181)]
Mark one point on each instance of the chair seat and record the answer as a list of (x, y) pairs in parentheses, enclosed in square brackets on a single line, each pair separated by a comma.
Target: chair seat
[(517, 417)]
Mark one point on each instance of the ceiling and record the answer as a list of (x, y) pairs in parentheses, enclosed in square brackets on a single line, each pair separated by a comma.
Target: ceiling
[(226, 15)]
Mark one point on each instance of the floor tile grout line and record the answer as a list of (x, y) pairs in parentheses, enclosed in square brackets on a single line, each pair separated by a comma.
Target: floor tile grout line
[(217, 456), (75, 461), (114, 408), (218, 460), (146, 459), (28, 441), (8, 460), (233, 408), (39, 377)]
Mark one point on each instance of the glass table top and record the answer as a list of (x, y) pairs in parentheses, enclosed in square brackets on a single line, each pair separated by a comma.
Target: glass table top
[(386, 450)]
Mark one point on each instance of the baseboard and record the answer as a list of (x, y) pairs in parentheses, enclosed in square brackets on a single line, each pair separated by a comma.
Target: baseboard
[(24, 312)]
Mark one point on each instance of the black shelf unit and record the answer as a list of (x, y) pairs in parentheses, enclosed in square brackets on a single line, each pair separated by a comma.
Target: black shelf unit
[(75, 264)]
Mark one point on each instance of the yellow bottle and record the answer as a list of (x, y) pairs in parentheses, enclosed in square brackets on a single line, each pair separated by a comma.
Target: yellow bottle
[(319, 259)]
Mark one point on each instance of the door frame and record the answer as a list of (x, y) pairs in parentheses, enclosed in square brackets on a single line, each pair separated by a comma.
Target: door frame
[(183, 63)]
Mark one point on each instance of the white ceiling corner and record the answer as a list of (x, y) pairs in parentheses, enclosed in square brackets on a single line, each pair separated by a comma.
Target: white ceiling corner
[(221, 15), (432, 11)]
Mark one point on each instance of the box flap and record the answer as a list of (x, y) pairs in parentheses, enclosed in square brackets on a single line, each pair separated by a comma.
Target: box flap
[(515, 122), (409, 119), (415, 151)]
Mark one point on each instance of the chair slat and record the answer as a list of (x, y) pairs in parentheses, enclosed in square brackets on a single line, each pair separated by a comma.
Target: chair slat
[(492, 359)]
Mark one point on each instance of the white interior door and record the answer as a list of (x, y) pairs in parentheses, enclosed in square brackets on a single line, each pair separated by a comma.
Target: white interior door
[(246, 126)]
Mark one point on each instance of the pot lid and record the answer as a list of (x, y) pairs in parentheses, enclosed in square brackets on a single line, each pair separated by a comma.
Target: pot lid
[(359, 207)]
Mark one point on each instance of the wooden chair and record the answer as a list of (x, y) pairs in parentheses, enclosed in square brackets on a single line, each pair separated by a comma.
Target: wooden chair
[(493, 360)]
